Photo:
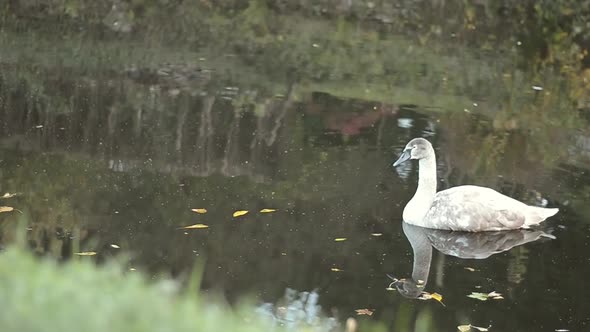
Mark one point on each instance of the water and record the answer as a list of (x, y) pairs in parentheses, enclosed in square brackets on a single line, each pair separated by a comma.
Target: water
[(116, 146)]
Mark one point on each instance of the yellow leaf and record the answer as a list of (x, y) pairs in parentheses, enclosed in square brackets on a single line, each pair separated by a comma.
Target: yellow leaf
[(437, 297), (367, 312), (377, 234), (86, 253), (267, 210), (6, 209), (196, 226), (340, 239), (199, 210), (464, 328), (8, 195), (240, 213), (335, 269)]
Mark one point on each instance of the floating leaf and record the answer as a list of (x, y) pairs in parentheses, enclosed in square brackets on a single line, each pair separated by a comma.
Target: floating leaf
[(240, 213), (335, 269), (86, 253), (484, 297), (267, 210), (6, 208), (132, 269), (465, 328), (470, 269), (201, 211), (368, 312), (434, 296), (478, 296), (8, 195), (494, 294), (376, 234), (340, 239), (115, 246), (196, 226)]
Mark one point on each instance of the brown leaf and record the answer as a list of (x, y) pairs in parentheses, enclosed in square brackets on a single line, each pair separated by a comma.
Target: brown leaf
[(201, 211), (240, 213), (6, 208), (368, 312)]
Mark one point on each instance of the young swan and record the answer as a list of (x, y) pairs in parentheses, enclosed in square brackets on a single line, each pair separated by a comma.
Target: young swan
[(463, 208)]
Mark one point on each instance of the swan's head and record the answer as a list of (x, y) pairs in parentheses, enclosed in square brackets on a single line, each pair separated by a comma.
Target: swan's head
[(418, 148), (409, 288)]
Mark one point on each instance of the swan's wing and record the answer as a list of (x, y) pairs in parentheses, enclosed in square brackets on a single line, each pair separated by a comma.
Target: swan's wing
[(473, 208)]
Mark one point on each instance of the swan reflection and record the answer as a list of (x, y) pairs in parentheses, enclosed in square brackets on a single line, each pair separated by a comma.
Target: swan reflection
[(464, 245)]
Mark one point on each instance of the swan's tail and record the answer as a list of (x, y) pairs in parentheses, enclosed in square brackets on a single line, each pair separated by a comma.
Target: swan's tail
[(536, 215)]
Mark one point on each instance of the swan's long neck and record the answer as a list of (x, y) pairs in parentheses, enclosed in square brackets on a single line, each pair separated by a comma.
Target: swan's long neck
[(419, 205), (426, 179)]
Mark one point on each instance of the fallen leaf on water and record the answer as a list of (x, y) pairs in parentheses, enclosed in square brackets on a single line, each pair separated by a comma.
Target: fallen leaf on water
[(340, 239), (6, 208), (195, 226), (335, 269), (434, 296), (478, 296), (115, 246), (131, 269), (368, 312), (494, 294), (267, 210), (465, 328), (8, 195), (376, 234), (240, 213), (484, 297), (199, 210), (470, 269), (86, 253)]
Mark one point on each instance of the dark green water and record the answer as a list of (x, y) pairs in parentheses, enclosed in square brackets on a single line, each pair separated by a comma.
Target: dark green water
[(113, 140)]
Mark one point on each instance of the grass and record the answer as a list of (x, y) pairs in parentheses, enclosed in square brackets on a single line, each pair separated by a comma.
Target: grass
[(42, 295)]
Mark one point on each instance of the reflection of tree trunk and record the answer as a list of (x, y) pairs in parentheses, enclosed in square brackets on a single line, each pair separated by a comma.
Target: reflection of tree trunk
[(180, 127), (137, 122), (283, 106), (231, 152), (205, 139), (111, 126)]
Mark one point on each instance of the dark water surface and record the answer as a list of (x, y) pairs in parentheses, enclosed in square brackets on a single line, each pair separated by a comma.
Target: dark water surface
[(101, 156)]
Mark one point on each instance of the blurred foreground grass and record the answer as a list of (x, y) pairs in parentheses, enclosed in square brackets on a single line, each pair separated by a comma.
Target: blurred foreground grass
[(42, 295)]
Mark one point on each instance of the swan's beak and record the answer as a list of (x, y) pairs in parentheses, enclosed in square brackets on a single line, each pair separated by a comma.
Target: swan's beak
[(405, 156)]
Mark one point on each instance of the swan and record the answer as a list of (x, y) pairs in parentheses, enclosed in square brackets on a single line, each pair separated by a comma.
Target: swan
[(464, 208)]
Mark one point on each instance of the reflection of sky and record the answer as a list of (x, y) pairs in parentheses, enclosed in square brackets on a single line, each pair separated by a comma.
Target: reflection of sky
[(296, 310), (405, 123)]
